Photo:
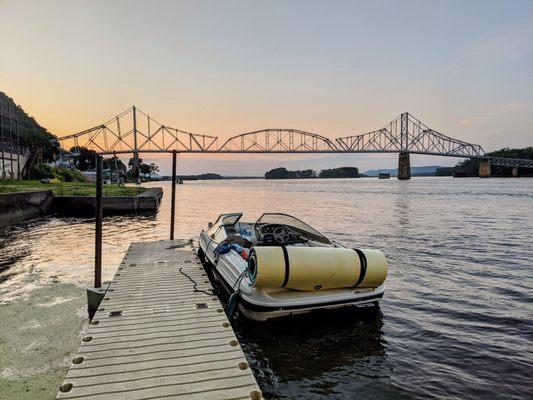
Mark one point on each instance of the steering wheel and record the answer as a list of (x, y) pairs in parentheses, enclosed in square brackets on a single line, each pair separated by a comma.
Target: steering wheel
[(281, 235)]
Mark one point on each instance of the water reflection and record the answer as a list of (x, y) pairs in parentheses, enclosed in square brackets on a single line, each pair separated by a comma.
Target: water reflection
[(358, 333), (455, 320), (316, 348), (402, 210)]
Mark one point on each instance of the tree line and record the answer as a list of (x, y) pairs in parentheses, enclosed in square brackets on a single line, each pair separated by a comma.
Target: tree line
[(284, 173), (470, 167)]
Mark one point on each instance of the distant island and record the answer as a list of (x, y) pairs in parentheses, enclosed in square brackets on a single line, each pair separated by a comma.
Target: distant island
[(207, 177), (284, 173), (202, 177)]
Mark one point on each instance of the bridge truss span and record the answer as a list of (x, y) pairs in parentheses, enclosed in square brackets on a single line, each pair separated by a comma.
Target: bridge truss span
[(510, 162), (278, 141), (133, 131), (407, 134)]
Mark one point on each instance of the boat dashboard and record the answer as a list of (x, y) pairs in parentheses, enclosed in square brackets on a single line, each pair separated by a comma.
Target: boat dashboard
[(272, 234)]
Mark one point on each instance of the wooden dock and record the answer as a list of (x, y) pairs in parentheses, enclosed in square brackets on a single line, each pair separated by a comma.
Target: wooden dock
[(154, 337)]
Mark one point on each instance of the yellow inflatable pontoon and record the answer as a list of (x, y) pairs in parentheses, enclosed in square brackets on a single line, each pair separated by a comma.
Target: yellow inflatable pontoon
[(316, 268)]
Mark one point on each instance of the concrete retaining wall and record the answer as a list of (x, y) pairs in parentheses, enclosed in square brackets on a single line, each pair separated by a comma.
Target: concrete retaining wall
[(147, 201), (16, 207)]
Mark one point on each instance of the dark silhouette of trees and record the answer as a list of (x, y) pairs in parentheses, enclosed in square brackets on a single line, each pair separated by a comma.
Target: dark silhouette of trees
[(86, 159), (283, 173), (343, 172)]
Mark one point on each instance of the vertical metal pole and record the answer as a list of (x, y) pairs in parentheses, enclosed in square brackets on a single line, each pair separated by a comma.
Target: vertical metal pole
[(3, 166), (135, 150), (173, 197), (98, 222), (116, 168), (10, 165), (19, 175), (11, 175), (3, 156)]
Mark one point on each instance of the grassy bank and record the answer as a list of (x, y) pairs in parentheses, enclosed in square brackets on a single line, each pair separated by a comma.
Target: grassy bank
[(68, 188)]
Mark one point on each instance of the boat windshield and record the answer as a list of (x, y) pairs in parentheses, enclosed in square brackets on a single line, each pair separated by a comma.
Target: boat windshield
[(291, 222), (224, 220), (228, 219)]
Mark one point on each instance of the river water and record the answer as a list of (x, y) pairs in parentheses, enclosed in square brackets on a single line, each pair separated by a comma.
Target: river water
[(456, 320)]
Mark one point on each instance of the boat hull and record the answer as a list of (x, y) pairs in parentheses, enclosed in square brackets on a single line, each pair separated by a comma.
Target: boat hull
[(263, 312)]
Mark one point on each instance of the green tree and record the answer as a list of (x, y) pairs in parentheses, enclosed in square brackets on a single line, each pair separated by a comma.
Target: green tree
[(343, 172), (86, 159), (113, 164), (445, 171), (278, 173)]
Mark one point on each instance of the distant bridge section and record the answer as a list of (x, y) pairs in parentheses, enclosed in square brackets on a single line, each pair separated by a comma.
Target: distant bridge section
[(135, 132), (406, 134), (510, 162), (278, 141)]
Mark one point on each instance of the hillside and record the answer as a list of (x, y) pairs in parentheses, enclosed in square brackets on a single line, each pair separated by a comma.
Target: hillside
[(31, 134)]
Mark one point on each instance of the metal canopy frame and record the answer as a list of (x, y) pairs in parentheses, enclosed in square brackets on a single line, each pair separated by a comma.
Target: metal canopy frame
[(10, 139)]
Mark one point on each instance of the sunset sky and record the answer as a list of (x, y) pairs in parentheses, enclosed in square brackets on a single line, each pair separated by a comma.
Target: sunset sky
[(227, 67)]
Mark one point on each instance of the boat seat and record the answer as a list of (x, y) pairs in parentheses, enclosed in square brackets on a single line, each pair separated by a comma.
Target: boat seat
[(233, 236)]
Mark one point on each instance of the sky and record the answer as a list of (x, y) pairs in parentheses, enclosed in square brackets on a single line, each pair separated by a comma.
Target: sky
[(336, 68)]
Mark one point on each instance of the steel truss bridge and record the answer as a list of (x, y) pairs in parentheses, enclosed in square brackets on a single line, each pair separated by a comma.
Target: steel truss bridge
[(133, 131)]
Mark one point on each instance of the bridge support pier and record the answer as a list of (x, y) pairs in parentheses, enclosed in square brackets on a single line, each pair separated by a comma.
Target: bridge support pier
[(514, 172), (484, 168), (404, 166)]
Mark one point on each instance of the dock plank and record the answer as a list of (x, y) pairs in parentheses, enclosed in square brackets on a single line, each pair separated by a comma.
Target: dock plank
[(153, 337)]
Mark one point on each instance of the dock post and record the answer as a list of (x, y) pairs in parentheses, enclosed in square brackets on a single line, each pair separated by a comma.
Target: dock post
[(98, 223), (96, 294), (136, 163), (514, 172), (173, 196)]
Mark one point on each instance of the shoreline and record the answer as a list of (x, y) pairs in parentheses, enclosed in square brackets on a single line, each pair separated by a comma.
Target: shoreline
[(41, 335), (21, 206)]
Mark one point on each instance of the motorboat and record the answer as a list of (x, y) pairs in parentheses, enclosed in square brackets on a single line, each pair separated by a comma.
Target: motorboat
[(279, 266)]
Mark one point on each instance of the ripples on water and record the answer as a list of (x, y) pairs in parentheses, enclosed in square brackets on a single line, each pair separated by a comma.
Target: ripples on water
[(456, 318)]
